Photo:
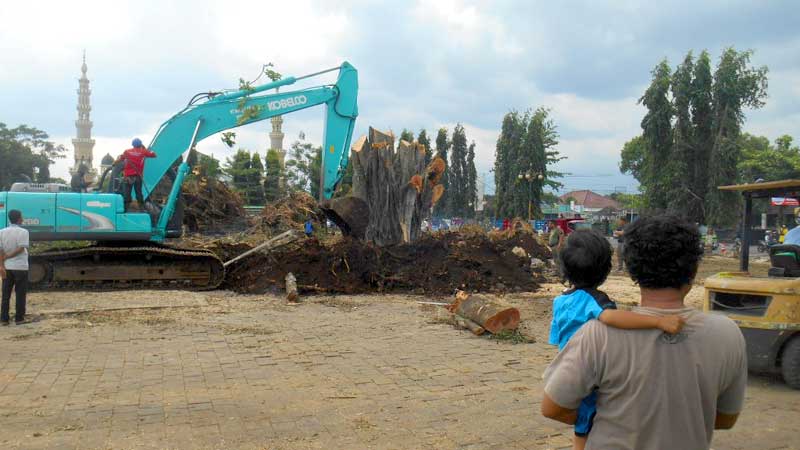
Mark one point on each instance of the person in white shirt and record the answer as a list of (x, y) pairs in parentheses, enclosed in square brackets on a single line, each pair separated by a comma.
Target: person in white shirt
[(14, 241)]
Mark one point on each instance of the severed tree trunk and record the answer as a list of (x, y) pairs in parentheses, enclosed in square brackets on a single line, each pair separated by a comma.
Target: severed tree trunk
[(492, 316), (396, 186)]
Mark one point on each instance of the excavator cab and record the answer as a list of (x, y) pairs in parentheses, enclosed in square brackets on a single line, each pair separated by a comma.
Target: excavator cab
[(767, 309)]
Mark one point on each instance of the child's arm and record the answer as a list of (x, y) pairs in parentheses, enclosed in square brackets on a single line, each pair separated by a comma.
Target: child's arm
[(628, 320)]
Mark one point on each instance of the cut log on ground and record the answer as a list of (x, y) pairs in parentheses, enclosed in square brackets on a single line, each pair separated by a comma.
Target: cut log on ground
[(489, 314), (476, 329)]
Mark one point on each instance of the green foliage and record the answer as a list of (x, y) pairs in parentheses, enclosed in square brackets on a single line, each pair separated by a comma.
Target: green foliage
[(761, 160), (657, 135), (442, 146), (303, 167), (632, 158), (271, 74), (256, 174), (628, 201), (457, 200), (405, 135), (736, 86), (691, 142), (26, 151), (208, 166), (525, 153), (423, 139), (472, 181), (228, 138), (245, 178), (274, 173)]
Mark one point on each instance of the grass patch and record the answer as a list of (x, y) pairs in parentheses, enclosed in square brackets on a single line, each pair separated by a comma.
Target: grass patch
[(513, 337)]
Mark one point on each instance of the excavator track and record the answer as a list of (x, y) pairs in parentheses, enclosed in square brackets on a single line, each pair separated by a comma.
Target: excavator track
[(126, 267)]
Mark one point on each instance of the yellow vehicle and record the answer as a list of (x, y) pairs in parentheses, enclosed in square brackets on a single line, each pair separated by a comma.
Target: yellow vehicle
[(767, 309)]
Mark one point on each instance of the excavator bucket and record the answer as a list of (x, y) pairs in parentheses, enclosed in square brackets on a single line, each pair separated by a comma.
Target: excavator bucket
[(350, 214)]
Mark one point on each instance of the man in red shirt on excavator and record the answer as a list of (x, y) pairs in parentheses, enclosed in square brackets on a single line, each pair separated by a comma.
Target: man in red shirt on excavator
[(133, 171)]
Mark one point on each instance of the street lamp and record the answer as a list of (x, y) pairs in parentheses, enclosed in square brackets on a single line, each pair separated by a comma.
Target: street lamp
[(529, 176)]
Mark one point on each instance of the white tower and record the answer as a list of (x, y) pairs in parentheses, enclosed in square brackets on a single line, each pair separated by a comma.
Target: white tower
[(276, 138), (83, 142)]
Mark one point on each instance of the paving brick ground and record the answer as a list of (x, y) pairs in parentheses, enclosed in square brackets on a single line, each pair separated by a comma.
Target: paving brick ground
[(221, 371)]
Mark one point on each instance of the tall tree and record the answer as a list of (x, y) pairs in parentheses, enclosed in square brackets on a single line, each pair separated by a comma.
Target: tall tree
[(761, 160), (303, 167), (526, 150), (458, 181), (736, 86), (702, 137), (536, 154), (273, 179), (256, 190), (423, 139), (681, 197), (632, 159), (657, 134), (472, 182), (26, 152), (442, 146), (505, 163), (239, 169), (406, 135)]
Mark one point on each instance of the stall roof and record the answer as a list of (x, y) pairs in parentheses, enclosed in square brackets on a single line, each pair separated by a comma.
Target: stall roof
[(765, 186)]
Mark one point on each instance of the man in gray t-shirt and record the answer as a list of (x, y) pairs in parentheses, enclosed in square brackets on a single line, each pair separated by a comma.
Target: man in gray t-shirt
[(654, 391), (14, 241)]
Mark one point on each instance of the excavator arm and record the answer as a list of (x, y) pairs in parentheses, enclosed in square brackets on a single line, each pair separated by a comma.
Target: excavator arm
[(225, 111)]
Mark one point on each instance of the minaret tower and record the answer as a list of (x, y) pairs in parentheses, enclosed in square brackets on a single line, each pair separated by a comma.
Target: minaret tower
[(276, 138), (83, 142)]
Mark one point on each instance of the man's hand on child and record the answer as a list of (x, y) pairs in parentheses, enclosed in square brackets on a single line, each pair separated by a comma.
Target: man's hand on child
[(671, 324)]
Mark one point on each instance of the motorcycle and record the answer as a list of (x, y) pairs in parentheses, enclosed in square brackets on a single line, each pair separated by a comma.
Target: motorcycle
[(770, 239)]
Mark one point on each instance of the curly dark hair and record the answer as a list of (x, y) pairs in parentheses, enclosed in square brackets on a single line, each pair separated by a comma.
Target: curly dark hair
[(585, 260), (662, 251)]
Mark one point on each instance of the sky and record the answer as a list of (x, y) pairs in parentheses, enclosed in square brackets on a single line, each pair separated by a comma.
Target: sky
[(422, 64)]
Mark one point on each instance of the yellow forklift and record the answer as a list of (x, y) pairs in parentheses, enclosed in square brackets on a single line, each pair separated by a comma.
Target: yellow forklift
[(767, 309)]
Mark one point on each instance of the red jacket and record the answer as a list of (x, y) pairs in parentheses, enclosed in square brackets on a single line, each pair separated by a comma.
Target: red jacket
[(134, 160)]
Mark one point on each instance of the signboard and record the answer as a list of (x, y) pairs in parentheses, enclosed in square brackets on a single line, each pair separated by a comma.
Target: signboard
[(784, 201)]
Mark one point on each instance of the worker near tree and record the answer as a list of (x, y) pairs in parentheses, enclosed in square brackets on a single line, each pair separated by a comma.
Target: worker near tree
[(784, 231), (78, 181), (654, 390), (619, 233), (14, 241), (133, 170), (556, 236), (308, 227)]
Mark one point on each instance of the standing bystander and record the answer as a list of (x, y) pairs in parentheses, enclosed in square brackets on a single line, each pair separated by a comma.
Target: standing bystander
[(14, 241), (619, 233)]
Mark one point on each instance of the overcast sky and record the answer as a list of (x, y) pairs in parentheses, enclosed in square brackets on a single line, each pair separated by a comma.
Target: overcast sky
[(421, 64)]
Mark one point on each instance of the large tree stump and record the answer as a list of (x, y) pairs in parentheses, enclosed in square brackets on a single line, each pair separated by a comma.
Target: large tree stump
[(396, 185), (492, 316)]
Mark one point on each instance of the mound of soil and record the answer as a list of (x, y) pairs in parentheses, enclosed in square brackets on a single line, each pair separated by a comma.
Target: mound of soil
[(436, 264), (210, 206)]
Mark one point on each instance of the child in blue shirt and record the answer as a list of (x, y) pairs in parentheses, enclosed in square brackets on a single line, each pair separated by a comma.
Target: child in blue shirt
[(585, 262)]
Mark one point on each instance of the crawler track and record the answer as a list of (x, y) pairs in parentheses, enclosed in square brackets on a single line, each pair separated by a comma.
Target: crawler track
[(125, 267)]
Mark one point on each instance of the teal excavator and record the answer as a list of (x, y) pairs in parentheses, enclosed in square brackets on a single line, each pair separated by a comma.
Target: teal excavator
[(129, 248)]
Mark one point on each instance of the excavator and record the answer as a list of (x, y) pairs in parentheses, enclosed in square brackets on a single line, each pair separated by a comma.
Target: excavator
[(129, 248)]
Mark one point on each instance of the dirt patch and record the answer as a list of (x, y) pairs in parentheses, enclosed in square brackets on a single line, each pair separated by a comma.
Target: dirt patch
[(436, 264)]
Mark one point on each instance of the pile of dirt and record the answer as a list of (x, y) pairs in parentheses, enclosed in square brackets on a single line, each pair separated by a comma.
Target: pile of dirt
[(289, 213), (210, 206), (437, 264)]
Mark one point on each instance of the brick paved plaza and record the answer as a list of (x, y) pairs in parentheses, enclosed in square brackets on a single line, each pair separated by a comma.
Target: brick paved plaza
[(189, 370)]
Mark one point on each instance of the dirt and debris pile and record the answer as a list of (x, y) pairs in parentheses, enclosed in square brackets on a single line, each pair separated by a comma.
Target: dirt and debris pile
[(210, 206), (289, 213), (436, 264)]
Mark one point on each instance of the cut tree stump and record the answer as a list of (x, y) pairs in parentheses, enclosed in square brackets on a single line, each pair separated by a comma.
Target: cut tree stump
[(489, 314), (396, 185)]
